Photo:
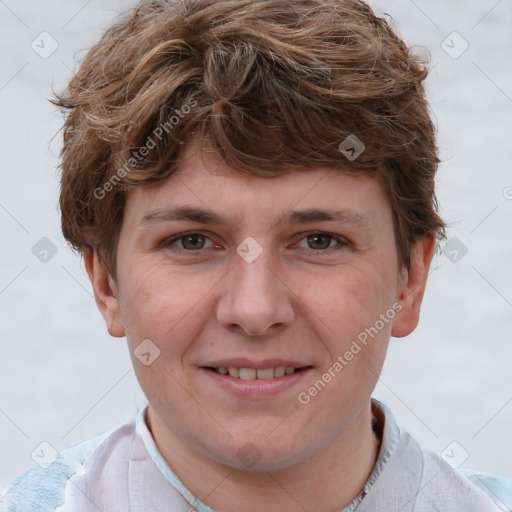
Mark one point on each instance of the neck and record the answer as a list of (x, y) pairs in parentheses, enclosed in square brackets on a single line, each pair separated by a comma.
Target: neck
[(328, 481)]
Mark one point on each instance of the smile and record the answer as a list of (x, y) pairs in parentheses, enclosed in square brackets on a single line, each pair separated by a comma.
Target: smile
[(254, 374), (242, 379)]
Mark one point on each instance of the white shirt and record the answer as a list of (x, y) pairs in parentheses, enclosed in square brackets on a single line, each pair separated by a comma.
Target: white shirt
[(122, 471)]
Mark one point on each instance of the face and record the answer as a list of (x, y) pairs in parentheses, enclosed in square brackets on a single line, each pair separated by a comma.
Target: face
[(289, 284)]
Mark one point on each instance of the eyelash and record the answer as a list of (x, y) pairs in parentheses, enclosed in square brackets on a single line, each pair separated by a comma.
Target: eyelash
[(342, 242)]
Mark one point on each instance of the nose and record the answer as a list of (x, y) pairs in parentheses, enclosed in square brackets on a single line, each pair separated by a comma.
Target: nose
[(255, 297)]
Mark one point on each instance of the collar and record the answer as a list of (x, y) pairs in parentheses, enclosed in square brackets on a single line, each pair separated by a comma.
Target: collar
[(384, 425)]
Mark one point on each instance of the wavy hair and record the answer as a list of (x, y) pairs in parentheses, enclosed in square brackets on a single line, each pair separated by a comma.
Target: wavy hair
[(273, 85)]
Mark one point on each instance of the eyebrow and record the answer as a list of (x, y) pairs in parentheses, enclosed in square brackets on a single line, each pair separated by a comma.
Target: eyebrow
[(205, 216)]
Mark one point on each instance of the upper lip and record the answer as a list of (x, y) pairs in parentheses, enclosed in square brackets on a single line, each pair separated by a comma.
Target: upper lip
[(256, 365)]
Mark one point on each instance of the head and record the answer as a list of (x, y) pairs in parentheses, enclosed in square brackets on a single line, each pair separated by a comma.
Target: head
[(260, 114)]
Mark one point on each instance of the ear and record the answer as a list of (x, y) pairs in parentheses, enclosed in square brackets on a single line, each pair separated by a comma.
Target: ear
[(412, 286), (105, 293)]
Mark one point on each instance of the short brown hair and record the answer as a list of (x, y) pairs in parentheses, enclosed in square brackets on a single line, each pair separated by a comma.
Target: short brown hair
[(274, 85)]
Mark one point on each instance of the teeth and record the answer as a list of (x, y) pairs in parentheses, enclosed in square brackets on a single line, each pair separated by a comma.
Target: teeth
[(265, 374), (279, 371), (252, 374), (248, 373), (234, 372)]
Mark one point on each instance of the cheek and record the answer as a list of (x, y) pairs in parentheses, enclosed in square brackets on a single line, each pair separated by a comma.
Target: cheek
[(357, 306), (149, 305), (348, 301), (165, 306)]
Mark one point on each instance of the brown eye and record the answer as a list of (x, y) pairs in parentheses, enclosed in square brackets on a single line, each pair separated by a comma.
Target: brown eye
[(193, 242), (189, 242), (319, 241)]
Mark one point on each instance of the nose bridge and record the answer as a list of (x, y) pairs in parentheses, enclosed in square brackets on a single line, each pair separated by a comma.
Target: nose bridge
[(254, 298), (255, 278)]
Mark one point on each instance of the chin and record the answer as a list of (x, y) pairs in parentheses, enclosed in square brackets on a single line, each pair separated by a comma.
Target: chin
[(259, 454)]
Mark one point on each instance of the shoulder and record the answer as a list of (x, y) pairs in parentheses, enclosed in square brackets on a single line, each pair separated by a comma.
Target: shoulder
[(415, 478), (42, 487), (499, 488), (444, 488)]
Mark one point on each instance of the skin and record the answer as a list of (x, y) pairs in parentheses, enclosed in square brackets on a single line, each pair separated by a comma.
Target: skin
[(303, 297)]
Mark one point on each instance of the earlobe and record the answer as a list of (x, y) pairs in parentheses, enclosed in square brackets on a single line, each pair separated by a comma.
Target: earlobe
[(105, 293), (412, 287)]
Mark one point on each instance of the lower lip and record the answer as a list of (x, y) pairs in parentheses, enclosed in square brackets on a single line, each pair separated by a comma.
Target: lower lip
[(258, 388)]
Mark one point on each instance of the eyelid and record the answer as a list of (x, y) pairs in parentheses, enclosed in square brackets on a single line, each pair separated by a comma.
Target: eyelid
[(170, 241), (342, 241)]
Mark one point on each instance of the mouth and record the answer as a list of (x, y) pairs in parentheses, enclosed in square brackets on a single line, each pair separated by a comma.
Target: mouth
[(254, 380), (256, 374)]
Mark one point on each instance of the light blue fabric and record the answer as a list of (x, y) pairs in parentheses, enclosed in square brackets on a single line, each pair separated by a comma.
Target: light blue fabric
[(498, 488), (42, 490), (390, 438)]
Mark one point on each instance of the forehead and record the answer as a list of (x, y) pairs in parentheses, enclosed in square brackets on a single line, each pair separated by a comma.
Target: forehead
[(204, 188)]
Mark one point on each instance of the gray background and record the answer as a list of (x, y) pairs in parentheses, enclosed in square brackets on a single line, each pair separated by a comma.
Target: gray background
[(63, 379)]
